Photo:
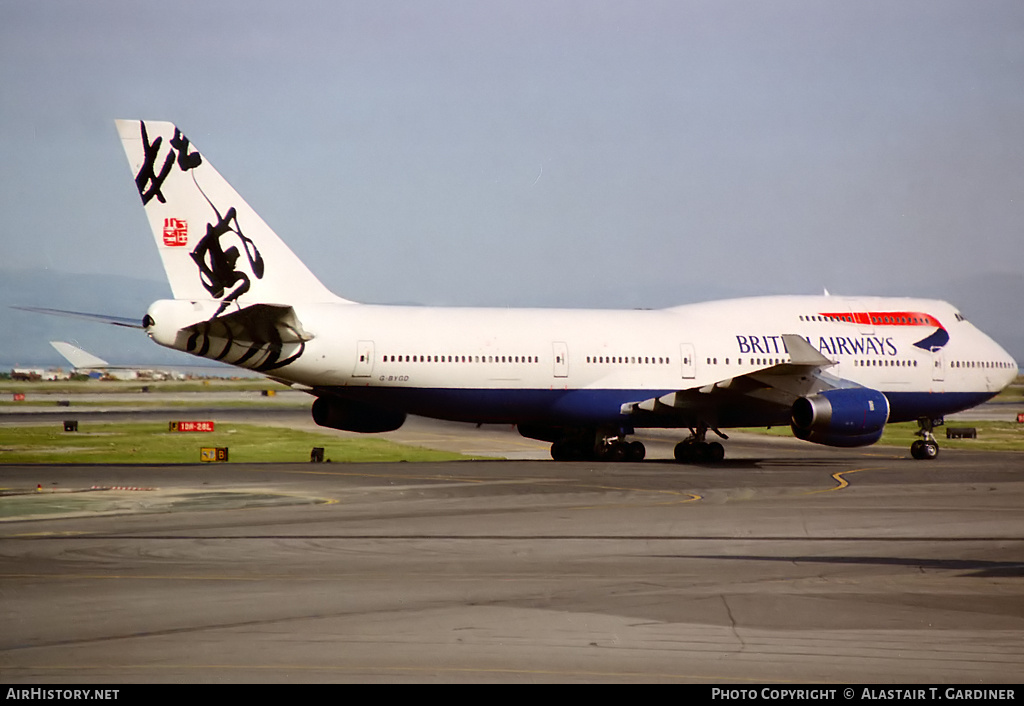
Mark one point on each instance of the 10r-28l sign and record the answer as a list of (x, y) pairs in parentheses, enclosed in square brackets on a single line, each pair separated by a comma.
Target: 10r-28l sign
[(190, 426)]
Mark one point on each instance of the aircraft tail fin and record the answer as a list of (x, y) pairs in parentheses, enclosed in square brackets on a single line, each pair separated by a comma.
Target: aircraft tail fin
[(212, 243), (77, 357)]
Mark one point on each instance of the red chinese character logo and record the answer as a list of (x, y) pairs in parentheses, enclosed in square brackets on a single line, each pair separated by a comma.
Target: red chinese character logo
[(175, 232)]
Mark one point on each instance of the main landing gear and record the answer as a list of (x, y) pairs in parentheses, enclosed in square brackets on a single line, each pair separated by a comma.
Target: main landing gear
[(591, 445), (696, 449), (926, 448), (586, 447), (610, 445)]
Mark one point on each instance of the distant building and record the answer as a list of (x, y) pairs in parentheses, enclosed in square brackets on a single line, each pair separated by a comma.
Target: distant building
[(35, 374)]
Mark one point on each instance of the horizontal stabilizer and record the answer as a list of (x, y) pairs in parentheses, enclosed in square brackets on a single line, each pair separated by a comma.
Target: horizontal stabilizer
[(77, 357), (101, 318)]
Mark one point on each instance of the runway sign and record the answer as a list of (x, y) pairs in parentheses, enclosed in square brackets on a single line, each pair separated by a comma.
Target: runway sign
[(212, 454), (189, 426)]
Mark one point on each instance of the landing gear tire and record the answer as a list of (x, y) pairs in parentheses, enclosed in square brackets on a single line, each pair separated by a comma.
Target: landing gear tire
[(617, 452), (572, 450), (924, 450), (637, 451), (685, 451), (715, 452), (696, 450), (693, 451)]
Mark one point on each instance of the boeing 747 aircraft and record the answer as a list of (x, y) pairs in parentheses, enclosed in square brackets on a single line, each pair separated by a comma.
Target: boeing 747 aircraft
[(835, 369)]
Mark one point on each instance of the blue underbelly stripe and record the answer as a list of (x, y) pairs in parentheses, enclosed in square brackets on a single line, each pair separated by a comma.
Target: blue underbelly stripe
[(602, 406)]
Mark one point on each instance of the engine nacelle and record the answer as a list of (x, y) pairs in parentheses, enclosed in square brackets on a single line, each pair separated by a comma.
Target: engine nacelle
[(541, 432), (349, 415), (847, 417)]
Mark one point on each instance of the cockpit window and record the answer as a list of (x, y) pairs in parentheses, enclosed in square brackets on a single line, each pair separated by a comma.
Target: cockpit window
[(959, 316)]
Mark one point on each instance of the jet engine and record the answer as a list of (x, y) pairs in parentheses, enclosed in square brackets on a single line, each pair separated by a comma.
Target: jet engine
[(846, 417), (349, 415), (541, 432)]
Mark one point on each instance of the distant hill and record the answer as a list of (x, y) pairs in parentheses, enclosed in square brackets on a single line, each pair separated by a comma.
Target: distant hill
[(26, 336)]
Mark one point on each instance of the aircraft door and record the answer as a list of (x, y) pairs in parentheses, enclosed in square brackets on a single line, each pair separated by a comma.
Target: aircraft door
[(561, 359), (938, 365), (860, 314), (688, 360), (364, 359)]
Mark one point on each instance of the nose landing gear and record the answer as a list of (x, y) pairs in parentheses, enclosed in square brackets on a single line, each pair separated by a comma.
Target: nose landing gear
[(926, 448)]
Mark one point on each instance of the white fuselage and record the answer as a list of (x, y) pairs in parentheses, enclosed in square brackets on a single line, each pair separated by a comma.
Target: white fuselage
[(513, 365)]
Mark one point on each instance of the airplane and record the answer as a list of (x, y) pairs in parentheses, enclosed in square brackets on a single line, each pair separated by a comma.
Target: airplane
[(86, 363), (836, 369)]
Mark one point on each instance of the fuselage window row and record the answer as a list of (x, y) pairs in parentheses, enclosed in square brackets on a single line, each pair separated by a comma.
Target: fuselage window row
[(628, 360), (653, 360), (874, 319), (885, 363), (978, 364), (460, 359)]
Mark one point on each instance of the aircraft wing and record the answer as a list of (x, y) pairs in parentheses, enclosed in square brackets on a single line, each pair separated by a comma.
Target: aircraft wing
[(746, 399)]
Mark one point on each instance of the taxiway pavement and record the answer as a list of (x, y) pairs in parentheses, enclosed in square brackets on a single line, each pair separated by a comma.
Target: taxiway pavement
[(788, 563)]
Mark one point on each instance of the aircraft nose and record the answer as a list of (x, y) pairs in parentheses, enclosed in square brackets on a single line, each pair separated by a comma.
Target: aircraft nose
[(1010, 366)]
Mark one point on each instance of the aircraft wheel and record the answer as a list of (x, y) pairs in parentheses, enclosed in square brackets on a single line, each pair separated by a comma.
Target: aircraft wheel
[(715, 452), (685, 451), (637, 451), (703, 452), (924, 450), (616, 452)]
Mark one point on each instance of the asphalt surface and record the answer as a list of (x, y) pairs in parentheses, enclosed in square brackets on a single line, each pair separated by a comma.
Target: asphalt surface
[(788, 563)]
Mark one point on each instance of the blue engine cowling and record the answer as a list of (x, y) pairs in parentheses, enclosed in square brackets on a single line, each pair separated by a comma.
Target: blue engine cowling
[(349, 415), (848, 417)]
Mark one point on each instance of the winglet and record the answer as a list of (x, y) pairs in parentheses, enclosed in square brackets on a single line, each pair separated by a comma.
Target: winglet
[(803, 353)]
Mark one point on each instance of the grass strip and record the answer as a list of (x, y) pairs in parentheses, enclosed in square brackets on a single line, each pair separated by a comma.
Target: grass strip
[(153, 443)]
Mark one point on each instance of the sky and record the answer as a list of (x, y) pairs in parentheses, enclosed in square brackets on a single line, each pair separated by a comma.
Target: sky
[(541, 153)]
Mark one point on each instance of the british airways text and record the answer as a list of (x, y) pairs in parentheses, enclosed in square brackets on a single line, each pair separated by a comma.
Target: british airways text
[(831, 345)]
